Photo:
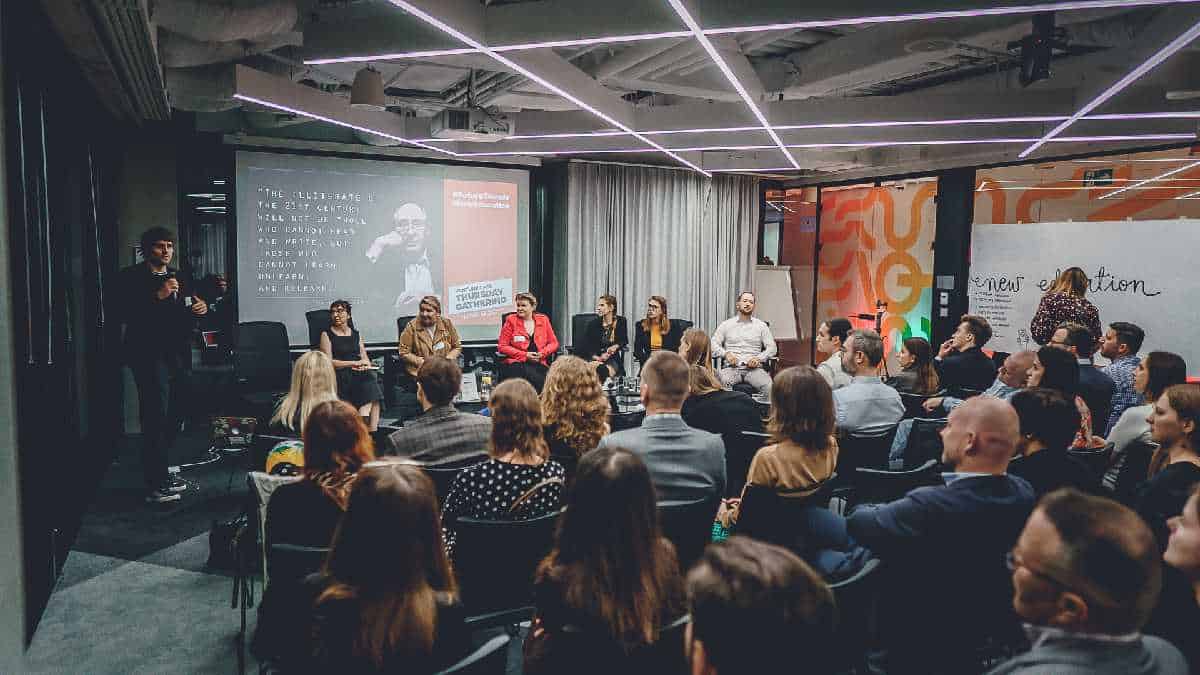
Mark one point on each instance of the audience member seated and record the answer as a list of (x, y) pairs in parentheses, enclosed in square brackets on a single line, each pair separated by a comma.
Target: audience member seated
[(943, 546), (657, 331), (1085, 576), (866, 406), (961, 363), (1048, 426), (1120, 346), (527, 341), (518, 465), (831, 336), (685, 464), (1009, 380), (313, 382), (1095, 387), (612, 580), (805, 451), (441, 434), (357, 382), (1181, 578), (917, 375), (385, 604), (605, 340), (574, 411), (709, 406), (1058, 370), (1064, 301), (306, 512), (757, 608), (744, 344), (1175, 468), (1154, 373), (428, 334)]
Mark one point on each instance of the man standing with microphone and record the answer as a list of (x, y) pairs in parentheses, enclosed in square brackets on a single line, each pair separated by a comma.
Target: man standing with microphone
[(158, 313)]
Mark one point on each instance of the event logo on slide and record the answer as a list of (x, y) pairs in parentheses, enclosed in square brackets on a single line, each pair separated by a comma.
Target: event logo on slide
[(481, 254)]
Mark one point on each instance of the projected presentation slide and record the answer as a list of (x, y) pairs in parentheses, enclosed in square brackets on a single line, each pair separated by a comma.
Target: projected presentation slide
[(381, 235)]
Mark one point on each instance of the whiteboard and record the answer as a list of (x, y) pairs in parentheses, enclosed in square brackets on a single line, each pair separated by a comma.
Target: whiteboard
[(773, 300), (1140, 271)]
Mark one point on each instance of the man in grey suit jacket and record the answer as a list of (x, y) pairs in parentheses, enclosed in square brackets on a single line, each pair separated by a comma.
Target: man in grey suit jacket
[(685, 464)]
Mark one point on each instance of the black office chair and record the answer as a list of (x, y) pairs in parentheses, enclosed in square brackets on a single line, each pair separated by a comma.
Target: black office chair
[(494, 561), (579, 326), (924, 441), (443, 475), (1134, 465), (739, 452), (490, 659), (914, 404), (866, 451), (875, 486), (262, 365), (777, 516), (858, 619), (400, 388), (689, 527), (1096, 459), (584, 650)]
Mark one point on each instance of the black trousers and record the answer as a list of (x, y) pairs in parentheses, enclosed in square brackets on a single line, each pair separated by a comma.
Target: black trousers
[(535, 373), (161, 386)]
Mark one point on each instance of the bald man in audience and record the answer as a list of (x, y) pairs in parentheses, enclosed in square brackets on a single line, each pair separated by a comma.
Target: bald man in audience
[(1009, 380), (946, 589), (1086, 576)]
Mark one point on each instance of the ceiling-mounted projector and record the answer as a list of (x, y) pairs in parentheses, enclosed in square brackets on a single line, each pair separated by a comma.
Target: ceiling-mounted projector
[(474, 124)]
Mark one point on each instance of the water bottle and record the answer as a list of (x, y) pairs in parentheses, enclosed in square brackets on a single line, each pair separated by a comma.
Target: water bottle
[(485, 386)]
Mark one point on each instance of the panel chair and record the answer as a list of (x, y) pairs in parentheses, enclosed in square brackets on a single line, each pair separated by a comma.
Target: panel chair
[(262, 365), (495, 560), (689, 527)]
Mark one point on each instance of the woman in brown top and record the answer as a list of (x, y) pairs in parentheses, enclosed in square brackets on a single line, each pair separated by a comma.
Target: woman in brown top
[(805, 451), (1064, 301)]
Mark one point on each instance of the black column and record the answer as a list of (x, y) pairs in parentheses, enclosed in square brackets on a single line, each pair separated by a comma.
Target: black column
[(952, 250)]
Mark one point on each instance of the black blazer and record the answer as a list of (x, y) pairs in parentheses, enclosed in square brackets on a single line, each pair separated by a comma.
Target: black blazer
[(971, 369), (641, 341), (1096, 388), (154, 329), (593, 340)]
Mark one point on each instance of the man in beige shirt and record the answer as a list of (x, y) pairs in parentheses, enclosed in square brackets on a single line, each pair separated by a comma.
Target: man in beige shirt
[(427, 334)]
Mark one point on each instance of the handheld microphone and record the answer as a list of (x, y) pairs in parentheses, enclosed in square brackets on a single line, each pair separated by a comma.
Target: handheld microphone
[(174, 294)]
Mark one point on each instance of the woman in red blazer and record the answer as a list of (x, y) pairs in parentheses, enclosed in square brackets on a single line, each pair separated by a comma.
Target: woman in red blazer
[(527, 341)]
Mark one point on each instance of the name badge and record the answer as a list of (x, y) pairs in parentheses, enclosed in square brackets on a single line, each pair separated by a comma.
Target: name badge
[(519, 338), (439, 346)]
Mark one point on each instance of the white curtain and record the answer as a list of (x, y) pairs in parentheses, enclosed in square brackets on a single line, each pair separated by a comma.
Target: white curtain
[(636, 231)]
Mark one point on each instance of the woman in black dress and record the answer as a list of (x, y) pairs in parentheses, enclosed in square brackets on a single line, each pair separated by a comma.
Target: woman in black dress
[(1175, 468), (606, 340), (356, 379)]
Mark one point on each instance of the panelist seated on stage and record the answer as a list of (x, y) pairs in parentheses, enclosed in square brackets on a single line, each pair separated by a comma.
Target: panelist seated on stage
[(527, 341), (605, 340), (428, 334), (441, 434), (357, 383), (657, 331), (744, 344)]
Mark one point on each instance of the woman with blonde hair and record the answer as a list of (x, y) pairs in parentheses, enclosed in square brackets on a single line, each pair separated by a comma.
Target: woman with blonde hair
[(313, 382), (717, 410), (518, 461), (574, 411), (657, 331), (1064, 301)]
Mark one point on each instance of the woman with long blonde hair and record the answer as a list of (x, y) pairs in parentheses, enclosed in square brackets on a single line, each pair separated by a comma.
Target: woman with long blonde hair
[(313, 382), (1063, 302), (574, 411), (657, 331), (518, 460)]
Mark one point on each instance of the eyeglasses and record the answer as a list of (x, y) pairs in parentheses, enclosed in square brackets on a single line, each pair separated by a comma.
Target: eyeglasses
[(339, 310)]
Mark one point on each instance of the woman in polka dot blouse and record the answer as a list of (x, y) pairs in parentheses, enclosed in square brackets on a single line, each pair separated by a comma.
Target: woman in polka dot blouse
[(518, 460)]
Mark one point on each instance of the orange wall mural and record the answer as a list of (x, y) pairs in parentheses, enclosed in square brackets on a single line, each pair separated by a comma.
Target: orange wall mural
[(877, 245)]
